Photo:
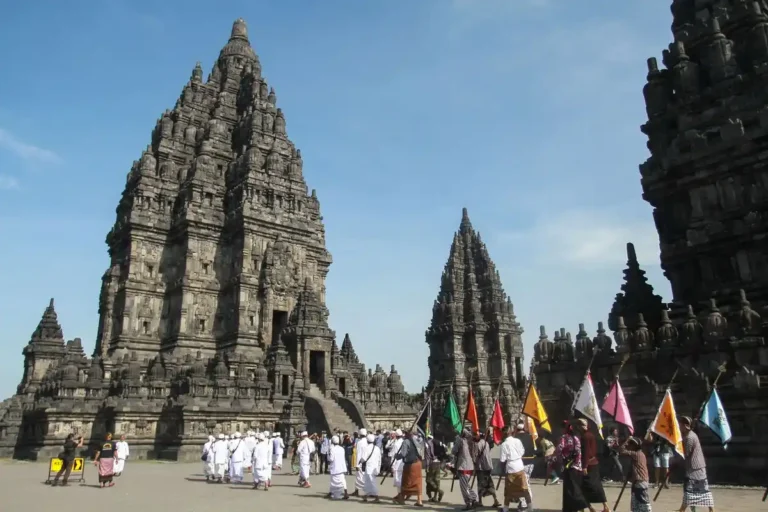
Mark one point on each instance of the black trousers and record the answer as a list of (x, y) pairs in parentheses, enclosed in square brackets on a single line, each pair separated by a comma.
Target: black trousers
[(349, 463), (617, 466), (323, 463), (66, 469)]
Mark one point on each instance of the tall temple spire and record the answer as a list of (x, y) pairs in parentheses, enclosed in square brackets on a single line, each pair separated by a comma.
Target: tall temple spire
[(636, 298), (238, 44), (473, 321)]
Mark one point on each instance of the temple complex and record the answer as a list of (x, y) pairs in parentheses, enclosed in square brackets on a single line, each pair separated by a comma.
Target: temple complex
[(707, 181), (474, 338), (212, 313)]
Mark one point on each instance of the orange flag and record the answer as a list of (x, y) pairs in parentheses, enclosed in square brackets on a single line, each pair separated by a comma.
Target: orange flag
[(471, 414), (666, 425)]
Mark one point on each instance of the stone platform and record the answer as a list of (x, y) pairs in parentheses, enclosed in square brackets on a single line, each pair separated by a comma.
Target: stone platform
[(158, 487)]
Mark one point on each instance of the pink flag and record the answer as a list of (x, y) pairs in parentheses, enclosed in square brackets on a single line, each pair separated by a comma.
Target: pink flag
[(616, 405)]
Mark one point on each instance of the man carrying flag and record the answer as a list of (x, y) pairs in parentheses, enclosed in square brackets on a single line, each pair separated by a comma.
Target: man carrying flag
[(696, 488)]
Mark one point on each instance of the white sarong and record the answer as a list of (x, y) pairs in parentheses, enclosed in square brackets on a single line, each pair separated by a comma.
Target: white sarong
[(360, 480), (208, 469), (236, 472), (397, 476), (119, 465), (304, 472), (260, 476), (220, 468), (371, 486), (338, 486)]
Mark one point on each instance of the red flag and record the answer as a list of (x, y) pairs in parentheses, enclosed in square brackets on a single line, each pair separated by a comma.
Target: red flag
[(497, 422), (471, 414)]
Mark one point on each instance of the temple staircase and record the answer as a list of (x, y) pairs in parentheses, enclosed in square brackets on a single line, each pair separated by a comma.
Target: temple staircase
[(334, 414)]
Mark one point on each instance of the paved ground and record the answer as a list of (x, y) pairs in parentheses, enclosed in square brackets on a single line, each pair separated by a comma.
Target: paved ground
[(170, 487)]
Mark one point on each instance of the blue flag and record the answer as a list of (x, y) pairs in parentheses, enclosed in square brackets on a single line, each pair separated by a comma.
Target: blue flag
[(714, 417)]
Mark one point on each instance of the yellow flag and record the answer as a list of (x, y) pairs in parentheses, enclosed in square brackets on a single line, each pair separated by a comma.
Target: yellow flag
[(533, 408), (666, 426)]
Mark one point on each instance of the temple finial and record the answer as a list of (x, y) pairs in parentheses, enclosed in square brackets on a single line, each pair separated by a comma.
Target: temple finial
[(239, 30)]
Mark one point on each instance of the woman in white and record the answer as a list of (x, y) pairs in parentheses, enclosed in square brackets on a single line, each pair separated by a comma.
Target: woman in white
[(220, 457), (305, 449), (121, 453), (397, 465), (360, 447), (207, 458), (337, 467), (261, 463), (370, 465)]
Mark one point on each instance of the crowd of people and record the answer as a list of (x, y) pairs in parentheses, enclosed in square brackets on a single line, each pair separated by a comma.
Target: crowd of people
[(406, 456)]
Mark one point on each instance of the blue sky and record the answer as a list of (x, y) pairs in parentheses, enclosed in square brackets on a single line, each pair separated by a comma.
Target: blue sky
[(527, 112)]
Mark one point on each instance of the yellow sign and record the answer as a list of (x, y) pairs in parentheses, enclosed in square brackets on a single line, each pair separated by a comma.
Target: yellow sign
[(56, 465)]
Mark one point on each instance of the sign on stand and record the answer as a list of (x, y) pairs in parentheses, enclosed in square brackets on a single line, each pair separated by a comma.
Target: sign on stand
[(78, 469)]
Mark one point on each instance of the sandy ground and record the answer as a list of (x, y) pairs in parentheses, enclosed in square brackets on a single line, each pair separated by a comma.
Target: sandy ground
[(172, 487)]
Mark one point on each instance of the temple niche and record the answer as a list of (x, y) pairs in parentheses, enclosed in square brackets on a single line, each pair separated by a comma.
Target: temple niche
[(212, 313), (707, 109), (474, 338)]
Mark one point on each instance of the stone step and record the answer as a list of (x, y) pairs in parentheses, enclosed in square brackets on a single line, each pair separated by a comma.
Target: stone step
[(335, 416)]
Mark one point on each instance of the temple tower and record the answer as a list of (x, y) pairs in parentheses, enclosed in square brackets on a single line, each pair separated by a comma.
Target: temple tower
[(216, 232), (706, 177), (474, 337), (46, 348)]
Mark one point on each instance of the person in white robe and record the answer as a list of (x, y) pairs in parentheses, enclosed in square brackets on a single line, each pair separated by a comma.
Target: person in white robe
[(278, 450), (305, 449), (261, 463), (337, 467), (269, 451), (250, 444), (220, 457), (237, 458), (121, 453), (207, 458), (360, 448), (370, 465), (397, 464)]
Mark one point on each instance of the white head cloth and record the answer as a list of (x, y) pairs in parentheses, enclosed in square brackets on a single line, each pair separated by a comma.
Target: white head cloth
[(363, 432), (399, 433), (236, 435), (370, 438), (211, 438), (222, 436), (335, 439), (304, 434)]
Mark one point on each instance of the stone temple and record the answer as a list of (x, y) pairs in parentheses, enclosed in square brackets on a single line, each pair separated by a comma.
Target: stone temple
[(474, 338), (212, 312), (707, 180)]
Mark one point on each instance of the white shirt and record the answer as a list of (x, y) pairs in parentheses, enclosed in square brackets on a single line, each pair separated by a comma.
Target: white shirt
[(279, 445), (372, 457), (306, 447), (220, 452), (122, 450), (394, 449), (208, 450), (337, 463), (238, 451), (261, 456), (512, 451), (361, 446)]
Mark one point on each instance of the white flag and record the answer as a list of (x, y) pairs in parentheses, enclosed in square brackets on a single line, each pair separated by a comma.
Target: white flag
[(586, 403)]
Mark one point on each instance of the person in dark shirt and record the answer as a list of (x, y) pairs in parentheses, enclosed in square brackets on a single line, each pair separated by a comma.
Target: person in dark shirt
[(104, 459), (67, 457), (348, 444)]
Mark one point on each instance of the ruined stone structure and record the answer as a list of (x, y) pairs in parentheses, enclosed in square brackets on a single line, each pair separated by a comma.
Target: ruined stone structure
[(212, 312), (474, 338), (707, 181)]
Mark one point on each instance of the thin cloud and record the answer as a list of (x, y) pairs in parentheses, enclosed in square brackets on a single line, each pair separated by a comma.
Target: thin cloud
[(8, 182), (27, 151), (588, 238)]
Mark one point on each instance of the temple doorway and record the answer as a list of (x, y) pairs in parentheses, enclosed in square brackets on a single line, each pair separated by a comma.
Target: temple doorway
[(316, 366), (279, 322), (343, 386)]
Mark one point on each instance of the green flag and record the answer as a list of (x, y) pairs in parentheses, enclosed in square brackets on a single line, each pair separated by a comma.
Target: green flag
[(452, 413)]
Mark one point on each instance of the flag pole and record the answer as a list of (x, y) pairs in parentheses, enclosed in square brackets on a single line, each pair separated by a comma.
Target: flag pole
[(626, 480)]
